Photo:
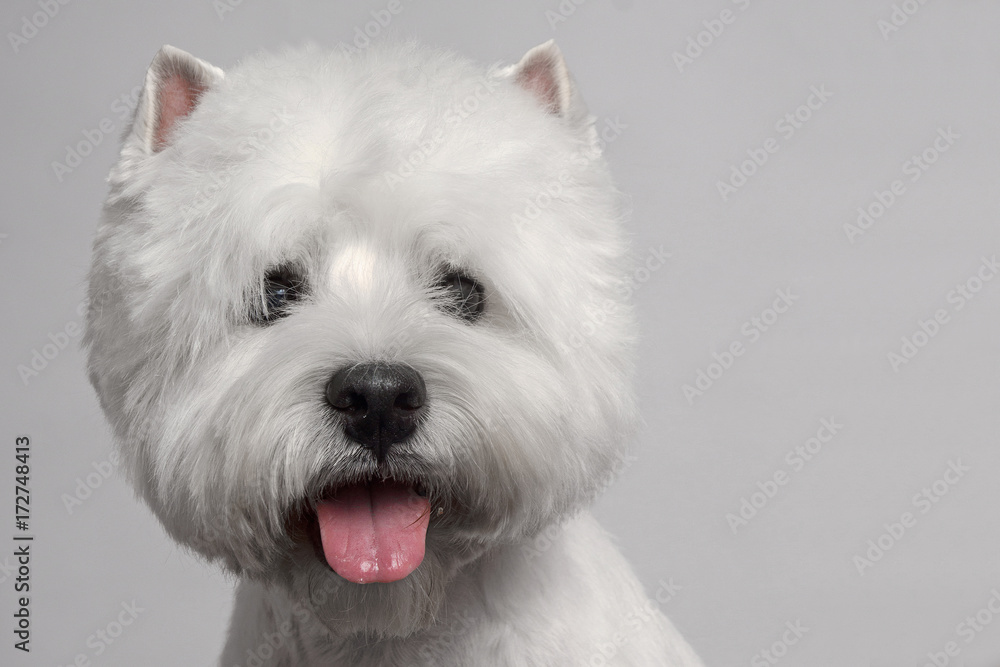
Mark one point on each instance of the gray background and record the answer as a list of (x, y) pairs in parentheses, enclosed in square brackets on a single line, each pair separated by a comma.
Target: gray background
[(684, 130)]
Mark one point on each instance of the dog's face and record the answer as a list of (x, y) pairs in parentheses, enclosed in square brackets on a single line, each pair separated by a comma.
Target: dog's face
[(357, 319)]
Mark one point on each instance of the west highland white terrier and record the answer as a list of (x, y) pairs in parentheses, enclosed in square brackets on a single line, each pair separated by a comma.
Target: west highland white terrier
[(360, 324)]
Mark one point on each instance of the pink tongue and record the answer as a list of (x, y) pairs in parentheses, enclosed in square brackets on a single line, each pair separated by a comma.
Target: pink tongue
[(374, 532)]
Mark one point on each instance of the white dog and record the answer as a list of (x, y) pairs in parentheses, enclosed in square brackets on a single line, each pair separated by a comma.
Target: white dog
[(359, 323)]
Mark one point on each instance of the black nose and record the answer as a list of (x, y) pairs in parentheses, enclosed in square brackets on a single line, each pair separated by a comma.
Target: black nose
[(380, 403)]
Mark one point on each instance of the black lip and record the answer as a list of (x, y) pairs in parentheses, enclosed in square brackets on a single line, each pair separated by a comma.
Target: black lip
[(316, 541)]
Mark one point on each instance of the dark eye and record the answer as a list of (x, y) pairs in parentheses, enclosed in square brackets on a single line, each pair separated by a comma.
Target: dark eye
[(283, 286), (463, 296)]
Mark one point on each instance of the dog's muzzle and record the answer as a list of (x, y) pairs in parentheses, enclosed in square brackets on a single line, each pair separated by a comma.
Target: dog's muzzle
[(381, 403)]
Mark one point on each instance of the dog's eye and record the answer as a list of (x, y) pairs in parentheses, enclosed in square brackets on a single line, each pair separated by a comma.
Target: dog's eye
[(282, 287), (463, 296)]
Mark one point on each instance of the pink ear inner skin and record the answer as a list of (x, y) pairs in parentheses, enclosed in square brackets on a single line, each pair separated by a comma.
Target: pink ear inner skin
[(539, 78), (178, 96)]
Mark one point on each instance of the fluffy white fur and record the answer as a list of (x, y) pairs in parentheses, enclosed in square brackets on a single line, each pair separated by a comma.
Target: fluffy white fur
[(370, 172)]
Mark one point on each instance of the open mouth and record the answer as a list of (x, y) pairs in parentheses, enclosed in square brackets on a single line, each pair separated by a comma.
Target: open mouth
[(373, 531)]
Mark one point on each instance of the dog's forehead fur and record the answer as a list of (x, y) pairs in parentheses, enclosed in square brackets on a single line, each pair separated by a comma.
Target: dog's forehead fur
[(301, 156)]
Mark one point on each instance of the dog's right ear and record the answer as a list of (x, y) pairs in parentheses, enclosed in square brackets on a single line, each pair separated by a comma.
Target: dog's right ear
[(175, 81), (543, 73)]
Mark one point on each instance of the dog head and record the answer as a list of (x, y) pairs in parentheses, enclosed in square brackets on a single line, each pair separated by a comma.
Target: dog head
[(358, 318)]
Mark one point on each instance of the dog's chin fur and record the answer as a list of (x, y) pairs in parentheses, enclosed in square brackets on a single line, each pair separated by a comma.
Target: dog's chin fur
[(398, 609), (368, 176), (387, 610)]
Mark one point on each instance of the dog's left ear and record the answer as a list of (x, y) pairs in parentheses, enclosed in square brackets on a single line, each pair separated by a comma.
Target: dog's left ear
[(543, 73), (175, 81)]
